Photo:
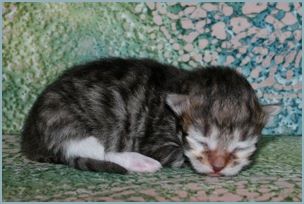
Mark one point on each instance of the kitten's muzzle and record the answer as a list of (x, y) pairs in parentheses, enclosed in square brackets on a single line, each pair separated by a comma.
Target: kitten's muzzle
[(218, 161)]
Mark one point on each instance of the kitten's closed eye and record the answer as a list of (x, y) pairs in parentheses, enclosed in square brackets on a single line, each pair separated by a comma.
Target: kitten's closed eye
[(204, 144), (237, 149), (244, 152), (243, 145)]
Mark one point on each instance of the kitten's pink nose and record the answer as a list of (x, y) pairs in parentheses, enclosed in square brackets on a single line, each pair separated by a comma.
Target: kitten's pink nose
[(217, 161), (218, 164)]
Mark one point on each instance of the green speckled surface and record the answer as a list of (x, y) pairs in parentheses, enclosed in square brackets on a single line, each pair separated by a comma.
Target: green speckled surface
[(274, 176), (262, 41)]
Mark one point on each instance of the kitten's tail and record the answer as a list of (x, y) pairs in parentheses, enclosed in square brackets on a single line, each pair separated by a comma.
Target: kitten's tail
[(89, 164)]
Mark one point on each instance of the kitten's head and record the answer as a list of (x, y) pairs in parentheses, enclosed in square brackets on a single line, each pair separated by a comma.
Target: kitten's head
[(222, 120)]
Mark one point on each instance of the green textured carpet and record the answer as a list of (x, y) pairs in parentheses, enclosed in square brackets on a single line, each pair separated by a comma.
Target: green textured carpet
[(274, 176)]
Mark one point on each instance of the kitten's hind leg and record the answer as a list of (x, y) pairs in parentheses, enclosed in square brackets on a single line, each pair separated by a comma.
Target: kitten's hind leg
[(88, 154), (89, 164), (133, 161)]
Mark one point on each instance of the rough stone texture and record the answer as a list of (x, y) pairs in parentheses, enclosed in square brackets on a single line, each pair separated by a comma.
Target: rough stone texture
[(275, 175), (261, 40)]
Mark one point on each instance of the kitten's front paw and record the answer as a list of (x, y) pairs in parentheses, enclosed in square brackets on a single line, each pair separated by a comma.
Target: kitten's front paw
[(140, 163)]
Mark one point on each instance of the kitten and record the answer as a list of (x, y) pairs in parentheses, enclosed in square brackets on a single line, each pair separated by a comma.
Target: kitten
[(128, 115)]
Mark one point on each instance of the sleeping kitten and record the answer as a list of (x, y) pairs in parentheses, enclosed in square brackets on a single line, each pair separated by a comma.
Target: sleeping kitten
[(127, 115)]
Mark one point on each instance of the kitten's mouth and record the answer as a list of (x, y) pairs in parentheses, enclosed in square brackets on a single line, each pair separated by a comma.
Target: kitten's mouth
[(215, 174)]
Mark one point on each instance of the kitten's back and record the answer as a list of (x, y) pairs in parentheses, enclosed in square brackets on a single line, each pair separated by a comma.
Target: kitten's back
[(107, 96)]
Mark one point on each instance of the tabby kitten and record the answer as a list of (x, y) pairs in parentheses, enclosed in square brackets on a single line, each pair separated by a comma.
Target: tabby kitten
[(129, 115)]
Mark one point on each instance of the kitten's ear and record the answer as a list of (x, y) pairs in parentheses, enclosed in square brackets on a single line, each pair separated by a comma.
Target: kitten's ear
[(178, 102), (271, 110)]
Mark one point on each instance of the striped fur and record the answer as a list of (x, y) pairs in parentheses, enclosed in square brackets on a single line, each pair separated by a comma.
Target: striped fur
[(132, 105)]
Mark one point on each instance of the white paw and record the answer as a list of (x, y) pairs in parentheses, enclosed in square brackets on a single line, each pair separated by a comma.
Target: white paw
[(134, 162), (141, 163)]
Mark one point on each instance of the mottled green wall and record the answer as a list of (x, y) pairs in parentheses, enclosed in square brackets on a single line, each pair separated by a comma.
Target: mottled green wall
[(263, 41)]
